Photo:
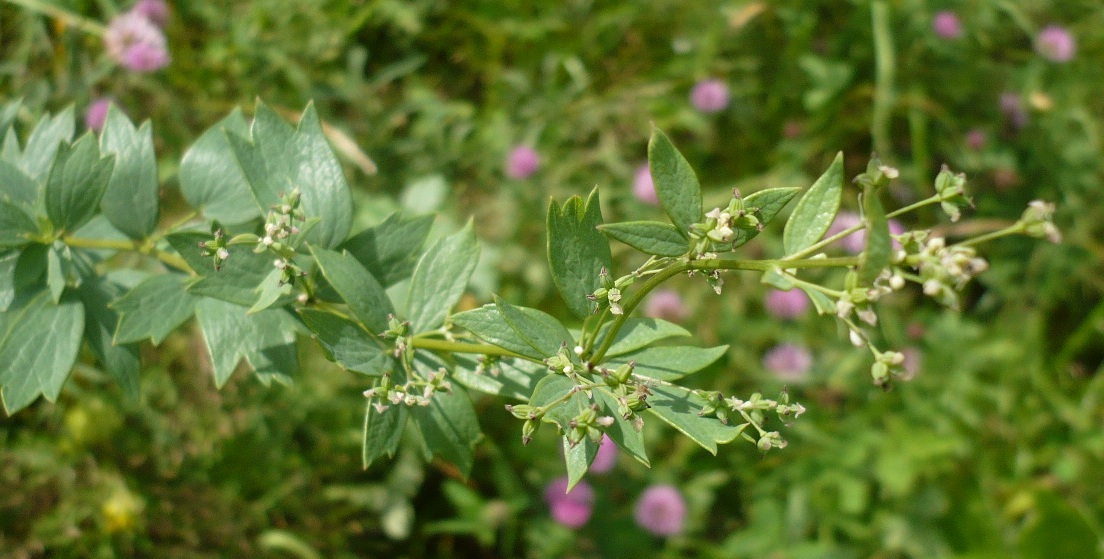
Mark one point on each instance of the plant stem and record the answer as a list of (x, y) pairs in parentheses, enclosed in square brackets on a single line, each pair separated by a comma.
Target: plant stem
[(132, 246), (463, 347), (1013, 229), (709, 265), (885, 68), (60, 14)]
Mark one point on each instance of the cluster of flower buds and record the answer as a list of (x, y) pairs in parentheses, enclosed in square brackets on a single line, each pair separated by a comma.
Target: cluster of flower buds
[(951, 188), (943, 269), (753, 411), (877, 175), (414, 392), (564, 361), (280, 223), (399, 331), (1038, 221), (857, 299), (610, 292), (588, 423), (632, 396), (887, 364), (216, 249), (531, 415), (719, 229)]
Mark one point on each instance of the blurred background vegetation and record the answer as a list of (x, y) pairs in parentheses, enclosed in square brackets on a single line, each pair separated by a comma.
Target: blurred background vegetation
[(994, 449)]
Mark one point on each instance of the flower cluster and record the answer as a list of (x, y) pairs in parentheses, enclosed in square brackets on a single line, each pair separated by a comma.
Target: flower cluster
[(709, 96), (943, 269), (522, 162), (414, 392), (216, 249), (753, 411)]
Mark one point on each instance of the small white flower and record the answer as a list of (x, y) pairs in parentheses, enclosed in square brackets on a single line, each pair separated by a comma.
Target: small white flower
[(856, 339)]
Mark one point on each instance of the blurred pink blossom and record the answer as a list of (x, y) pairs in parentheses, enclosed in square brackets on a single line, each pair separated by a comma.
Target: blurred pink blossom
[(786, 304), (666, 304), (1011, 104), (570, 509), (643, 187), (1055, 43), (947, 25), (134, 42), (709, 96), (976, 139), (789, 362), (522, 162), (96, 114), (156, 11), (606, 457), (661, 510)]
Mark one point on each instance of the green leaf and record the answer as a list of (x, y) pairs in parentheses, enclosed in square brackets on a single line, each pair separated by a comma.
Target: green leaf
[(382, 432), (14, 226), (815, 211), (211, 179), (8, 262), (278, 158), (823, 303), (487, 324), (9, 150), (347, 343), (539, 330), (153, 309), (879, 245), (649, 237), (390, 250), (60, 271), (577, 252), (38, 347), (122, 362), (449, 428), (577, 458), (272, 288), (679, 408), (1057, 529), (38, 156), (366, 298), (765, 205), (9, 113), (18, 188), (676, 184), (77, 181), (440, 279), (509, 378), (132, 200), (636, 333), (670, 363), (266, 340)]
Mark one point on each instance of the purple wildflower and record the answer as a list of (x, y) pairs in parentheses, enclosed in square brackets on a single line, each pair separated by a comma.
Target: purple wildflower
[(133, 41), (569, 509), (156, 11), (522, 162), (789, 362), (606, 457), (643, 187), (786, 304), (947, 25), (661, 510), (96, 114), (976, 139), (709, 96), (1055, 43), (666, 304), (1011, 104)]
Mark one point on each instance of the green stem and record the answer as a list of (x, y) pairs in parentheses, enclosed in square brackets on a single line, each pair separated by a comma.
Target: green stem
[(65, 16), (463, 347), (885, 68), (709, 265), (1013, 229), (132, 246)]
